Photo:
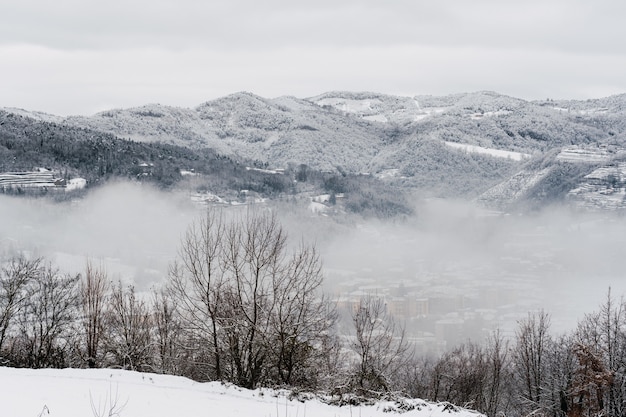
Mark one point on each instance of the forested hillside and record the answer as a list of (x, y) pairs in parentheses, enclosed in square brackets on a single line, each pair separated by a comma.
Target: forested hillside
[(26, 144), (507, 152), (96, 156), (453, 146)]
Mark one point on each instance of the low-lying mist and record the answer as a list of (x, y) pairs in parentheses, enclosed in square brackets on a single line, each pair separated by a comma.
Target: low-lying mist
[(466, 261), (132, 229), (558, 260)]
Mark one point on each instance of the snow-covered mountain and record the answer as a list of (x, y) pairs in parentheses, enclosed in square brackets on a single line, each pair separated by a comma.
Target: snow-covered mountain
[(279, 131), (109, 392), (459, 145)]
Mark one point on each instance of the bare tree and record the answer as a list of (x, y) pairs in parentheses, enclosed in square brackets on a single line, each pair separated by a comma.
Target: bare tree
[(462, 376), (14, 279), (497, 362), (472, 375), (167, 332), (258, 308), (381, 347), (416, 377), (196, 283), (93, 292), (302, 319), (47, 319), (129, 326), (253, 261), (532, 341)]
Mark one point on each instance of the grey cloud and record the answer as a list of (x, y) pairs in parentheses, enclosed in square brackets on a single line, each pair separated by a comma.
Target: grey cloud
[(99, 55), (559, 25), (90, 81)]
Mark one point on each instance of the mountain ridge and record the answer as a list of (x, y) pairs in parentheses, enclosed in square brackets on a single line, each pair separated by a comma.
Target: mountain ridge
[(455, 145)]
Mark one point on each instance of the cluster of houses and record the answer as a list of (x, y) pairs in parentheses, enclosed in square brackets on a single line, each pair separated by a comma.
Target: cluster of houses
[(441, 312), (41, 179)]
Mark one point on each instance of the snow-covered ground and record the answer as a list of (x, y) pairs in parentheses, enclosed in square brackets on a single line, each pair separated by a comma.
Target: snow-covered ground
[(117, 393), (479, 116), (37, 115), (207, 198), (351, 105), (516, 156), (266, 171), (388, 173), (513, 188), (379, 108)]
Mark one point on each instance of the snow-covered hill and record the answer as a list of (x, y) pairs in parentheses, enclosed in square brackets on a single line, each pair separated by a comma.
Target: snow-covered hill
[(117, 393), (281, 131), (589, 177), (347, 129), (456, 145)]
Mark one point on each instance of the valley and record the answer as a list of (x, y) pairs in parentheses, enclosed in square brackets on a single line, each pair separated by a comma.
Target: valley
[(341, 159)]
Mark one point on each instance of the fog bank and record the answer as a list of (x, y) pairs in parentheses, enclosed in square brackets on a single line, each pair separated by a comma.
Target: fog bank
[(478, 263), (133, 229)]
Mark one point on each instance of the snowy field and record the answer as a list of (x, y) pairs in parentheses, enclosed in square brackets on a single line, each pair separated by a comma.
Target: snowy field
[(516, 156), (117, 393)]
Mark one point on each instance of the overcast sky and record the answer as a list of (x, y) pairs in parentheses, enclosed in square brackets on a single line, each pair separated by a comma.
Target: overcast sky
[(82, 56)]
